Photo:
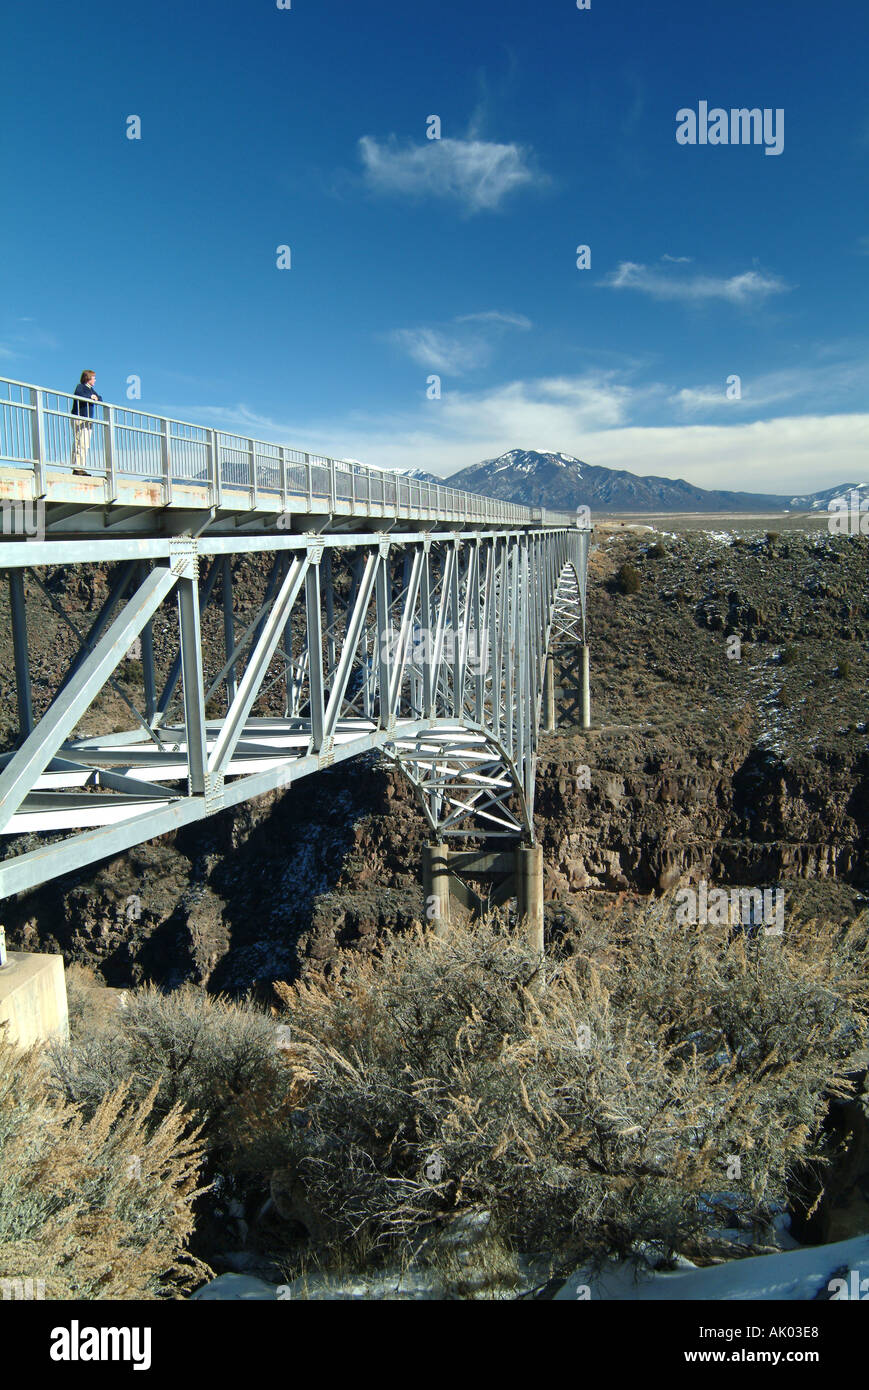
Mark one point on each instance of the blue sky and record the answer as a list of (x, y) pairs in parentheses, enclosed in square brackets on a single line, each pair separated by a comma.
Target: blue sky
[(307, 127)]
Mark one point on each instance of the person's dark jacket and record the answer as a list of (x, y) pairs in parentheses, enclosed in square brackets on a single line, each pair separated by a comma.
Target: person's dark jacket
[(84, 403)]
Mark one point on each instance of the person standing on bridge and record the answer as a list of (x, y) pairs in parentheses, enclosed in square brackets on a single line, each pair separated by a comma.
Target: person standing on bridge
[(82, 415)]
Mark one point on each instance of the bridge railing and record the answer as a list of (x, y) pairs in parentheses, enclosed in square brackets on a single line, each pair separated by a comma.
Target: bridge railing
[(39, 432)]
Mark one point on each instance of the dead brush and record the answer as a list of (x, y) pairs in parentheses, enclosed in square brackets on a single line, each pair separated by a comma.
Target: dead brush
[(216, 1058), (98, 1206), (433, 1084)]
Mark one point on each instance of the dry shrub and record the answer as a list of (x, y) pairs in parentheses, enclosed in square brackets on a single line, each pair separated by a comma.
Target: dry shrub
[(205, 1053), (98, 1206), (600, 1114), (628, 579)]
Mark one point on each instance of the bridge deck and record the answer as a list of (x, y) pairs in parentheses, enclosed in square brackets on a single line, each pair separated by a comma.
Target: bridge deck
[(148, 473)]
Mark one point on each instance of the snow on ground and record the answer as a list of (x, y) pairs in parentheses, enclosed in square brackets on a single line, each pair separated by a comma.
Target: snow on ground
[(829, 1272), (793, 1275)]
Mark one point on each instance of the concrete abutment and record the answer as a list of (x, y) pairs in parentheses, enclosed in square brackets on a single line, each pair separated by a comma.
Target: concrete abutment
[(33, 1007)]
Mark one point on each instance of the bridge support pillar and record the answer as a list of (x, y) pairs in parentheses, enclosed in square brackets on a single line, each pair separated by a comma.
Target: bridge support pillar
[(33, 1006), (585, 707), (436, 886), (549, 694), (529, 895)]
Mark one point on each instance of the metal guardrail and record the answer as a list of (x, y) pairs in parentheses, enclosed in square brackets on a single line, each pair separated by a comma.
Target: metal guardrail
[(38, 432)]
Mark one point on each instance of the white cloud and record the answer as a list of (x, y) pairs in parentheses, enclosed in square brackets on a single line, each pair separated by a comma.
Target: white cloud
[(586, 416), (478, 173), (462, 346), (547, 408), (442, 352), (790, 454), (677, 260), (746, 288), (826, 386), (495, 316), (692, 398), (449, 432)]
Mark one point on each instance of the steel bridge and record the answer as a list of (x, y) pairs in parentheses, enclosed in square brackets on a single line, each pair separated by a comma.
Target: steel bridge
[(376, 612)]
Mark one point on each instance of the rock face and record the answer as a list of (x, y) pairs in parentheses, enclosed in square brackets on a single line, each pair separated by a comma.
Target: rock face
[(729, 699), (747, 769), (842, 1189), (250, 895), (654, 814)]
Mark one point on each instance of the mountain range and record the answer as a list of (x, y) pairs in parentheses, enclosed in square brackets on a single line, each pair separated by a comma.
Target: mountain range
[(537, 478)]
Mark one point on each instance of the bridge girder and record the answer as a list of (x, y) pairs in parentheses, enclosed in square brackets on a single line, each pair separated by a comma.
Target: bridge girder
[(428, 647)]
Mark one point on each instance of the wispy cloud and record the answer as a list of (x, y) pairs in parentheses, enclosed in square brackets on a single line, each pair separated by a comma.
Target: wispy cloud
[(465, 345), (696, 399), (750, 287), (441, 351), (546, 408), (677, 260), (824, 386), (480, 174), (495, 316), (22, 336), (238, 419)]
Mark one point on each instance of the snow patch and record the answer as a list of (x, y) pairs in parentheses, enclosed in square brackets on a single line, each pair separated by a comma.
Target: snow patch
[(795, 1275)]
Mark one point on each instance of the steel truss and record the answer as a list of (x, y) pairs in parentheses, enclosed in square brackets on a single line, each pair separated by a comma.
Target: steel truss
[(427, 646), (567, 647)]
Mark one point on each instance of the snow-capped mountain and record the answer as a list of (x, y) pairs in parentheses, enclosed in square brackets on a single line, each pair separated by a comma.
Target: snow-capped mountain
[(819, 501), (538, 477), (420, 475)]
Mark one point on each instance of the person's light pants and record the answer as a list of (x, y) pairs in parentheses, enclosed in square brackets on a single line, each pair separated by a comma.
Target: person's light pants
[(81, 442)]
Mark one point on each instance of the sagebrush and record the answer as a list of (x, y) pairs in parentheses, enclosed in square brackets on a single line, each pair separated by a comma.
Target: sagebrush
[(432, 1082), (94, 1206), (207, 1054)]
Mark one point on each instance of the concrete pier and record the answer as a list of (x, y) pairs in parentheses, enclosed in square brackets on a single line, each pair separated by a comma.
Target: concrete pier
[(529, 895), (516, 873), (436, 886), (32, 999), (585, 689)]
